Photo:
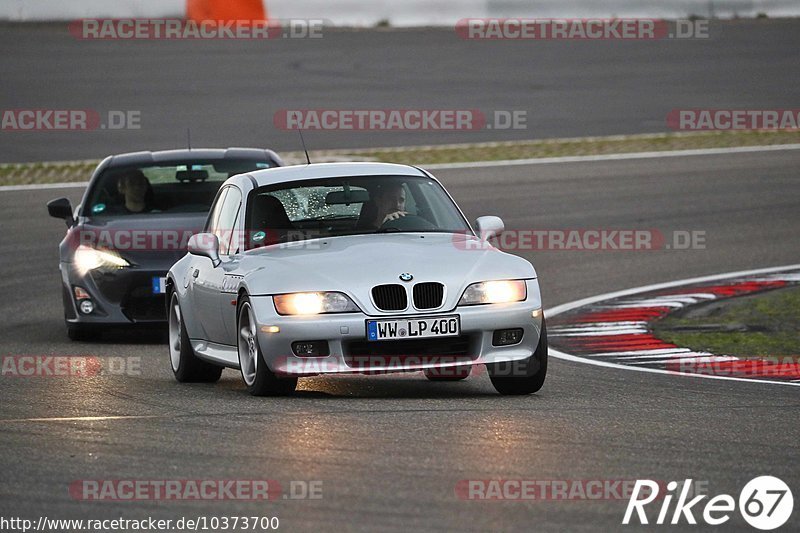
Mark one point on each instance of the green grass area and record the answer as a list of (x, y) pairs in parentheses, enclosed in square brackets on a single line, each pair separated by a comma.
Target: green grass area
[(72, 171), (762, 325), (573, 147)]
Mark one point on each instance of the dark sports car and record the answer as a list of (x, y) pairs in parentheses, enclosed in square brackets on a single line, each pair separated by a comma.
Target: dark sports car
[(132, 225)]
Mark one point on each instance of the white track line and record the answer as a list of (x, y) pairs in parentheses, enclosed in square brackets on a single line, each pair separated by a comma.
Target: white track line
[(518, 162), (615, 157), (563, 308), (40, 186)]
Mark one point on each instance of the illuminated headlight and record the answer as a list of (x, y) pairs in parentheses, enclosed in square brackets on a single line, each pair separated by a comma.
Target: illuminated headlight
[(494, 292), (87, 259), (313, 303)]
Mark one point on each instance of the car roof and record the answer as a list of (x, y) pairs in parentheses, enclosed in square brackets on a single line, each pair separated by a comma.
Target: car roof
[(143, 158), (276, 175)]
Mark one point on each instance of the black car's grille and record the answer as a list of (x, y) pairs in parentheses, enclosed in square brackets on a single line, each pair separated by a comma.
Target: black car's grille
[(140, 304), (428, 295), (390, 297)]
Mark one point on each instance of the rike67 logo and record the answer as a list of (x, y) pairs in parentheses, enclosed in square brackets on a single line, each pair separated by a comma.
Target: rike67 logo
[(765, 503)]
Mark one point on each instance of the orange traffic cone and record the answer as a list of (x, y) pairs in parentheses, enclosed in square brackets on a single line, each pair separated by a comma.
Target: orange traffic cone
[(225, 10)]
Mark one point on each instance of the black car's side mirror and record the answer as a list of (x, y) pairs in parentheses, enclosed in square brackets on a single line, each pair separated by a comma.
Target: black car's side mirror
[(61, 208)]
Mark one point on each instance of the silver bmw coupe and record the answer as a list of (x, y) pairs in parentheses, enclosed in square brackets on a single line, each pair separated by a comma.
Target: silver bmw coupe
[(351, 268)]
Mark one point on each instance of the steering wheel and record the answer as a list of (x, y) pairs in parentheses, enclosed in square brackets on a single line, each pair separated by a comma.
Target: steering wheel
[(407, 223)]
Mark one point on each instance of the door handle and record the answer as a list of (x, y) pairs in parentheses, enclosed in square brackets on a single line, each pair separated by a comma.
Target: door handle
[(196, 273)]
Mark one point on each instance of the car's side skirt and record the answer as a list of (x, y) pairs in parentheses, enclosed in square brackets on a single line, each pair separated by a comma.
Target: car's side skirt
[(219, 354)]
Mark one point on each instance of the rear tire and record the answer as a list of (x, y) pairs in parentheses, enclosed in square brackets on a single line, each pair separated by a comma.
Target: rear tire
[(186, 366), (257, 377), (535, 368)]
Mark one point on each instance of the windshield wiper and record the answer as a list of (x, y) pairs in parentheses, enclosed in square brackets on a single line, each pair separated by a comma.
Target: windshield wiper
[(327, 217)]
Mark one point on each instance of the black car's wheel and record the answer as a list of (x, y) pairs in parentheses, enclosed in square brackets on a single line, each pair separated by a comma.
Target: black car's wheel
[(457, 373), (186, 367), (258, 378), (81, 332), (523, 377)]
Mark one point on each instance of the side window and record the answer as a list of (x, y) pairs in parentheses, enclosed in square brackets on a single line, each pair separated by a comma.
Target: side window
[(215, 210), (225, 228)]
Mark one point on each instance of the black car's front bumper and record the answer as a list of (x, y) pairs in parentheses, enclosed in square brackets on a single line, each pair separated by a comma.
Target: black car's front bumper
[(128, 295)]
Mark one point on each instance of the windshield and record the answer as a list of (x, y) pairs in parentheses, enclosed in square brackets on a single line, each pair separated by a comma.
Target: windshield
[(177, 187), (349, 206)]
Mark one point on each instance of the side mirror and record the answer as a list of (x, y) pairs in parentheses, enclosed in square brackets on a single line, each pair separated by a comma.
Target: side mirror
[(205, 245), (61, 208), (489, 227)]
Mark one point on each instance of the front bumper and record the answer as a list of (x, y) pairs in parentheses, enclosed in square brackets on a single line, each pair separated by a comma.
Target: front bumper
[(123, 296), (350, 352)]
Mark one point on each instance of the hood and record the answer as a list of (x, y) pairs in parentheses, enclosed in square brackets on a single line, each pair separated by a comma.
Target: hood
[(354, 264), (141, 239)]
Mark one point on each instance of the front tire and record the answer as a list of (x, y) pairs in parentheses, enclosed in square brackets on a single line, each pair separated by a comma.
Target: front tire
[(535, 371), (257, 376), (186, 366)]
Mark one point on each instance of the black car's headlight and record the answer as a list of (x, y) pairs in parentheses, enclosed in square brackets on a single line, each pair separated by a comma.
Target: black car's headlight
[(494, 292), (87, 258), (313, 303)]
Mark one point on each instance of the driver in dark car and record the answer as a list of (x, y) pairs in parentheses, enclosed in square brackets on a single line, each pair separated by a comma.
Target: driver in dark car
[(135, 187)]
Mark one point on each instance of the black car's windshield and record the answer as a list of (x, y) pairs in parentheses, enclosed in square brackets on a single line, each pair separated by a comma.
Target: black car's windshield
[(174, 187), (349, 206)]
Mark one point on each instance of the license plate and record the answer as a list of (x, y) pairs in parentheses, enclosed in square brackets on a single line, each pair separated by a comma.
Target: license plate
[(413, 328), (159, 285)]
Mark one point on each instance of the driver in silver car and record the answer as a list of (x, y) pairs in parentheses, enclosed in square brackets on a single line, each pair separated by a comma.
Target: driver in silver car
[(390, 204)]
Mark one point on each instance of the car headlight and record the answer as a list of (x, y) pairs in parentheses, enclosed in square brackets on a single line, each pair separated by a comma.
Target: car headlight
[(494, 292), (87, 259), (313, 303)]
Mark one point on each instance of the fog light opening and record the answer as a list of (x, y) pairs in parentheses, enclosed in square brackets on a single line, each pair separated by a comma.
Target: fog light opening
[(86, 307), (311, 348), (507, 337)]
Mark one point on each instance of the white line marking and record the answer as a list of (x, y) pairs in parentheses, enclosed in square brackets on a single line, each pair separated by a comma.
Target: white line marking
[(563, 308), (40, 186), (568, 357), (642, 353), (81, 418), (614, 157), (665, 356), (620, 331), (517, 162)]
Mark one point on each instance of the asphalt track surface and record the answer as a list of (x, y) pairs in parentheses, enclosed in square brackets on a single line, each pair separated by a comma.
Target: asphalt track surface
[(227, 92), (390, 449)]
